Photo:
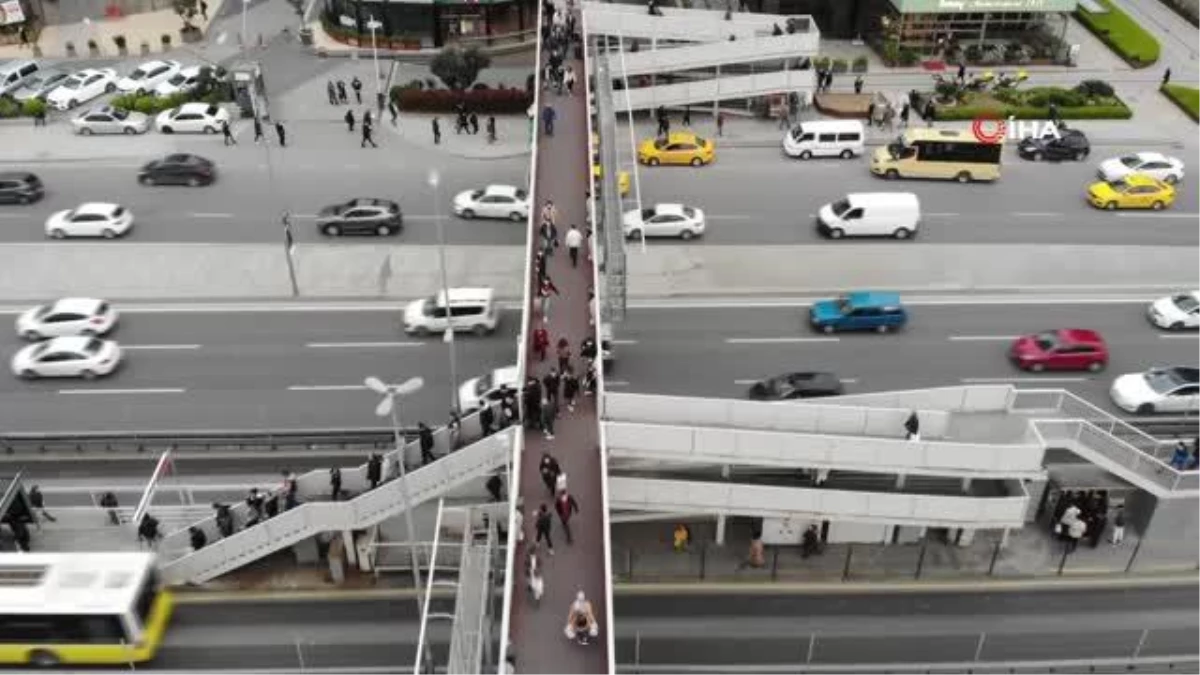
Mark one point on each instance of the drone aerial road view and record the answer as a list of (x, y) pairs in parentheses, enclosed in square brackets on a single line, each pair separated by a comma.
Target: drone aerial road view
[(568, 336)]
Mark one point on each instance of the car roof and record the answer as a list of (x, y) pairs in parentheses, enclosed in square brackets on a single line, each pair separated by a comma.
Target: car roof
[(195, 107), (1143, 179), (1150, 156), (152, 64), (370, 201), (88, 72), (1190, 374), (465, 296), (191, 70), (78, 305), (682, 137), (506, 375), (1082, 336), (669, 209), (874, 298), (71, 342), (102, 208), (505, 190)]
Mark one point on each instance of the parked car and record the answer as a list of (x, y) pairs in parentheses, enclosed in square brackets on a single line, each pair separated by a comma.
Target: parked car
[(93, 219), (86, 357), (1135, 191), (193, 118), (1068, 144), (860, 310), (1153, 164), (485, 389), (493, 201), (109, 120), (664, 220), (147, 76), (42, 83), (20, 187), (796, 385), (67, 317), (361, 216), (1062, 349), (82, 87), (14, 74), (1176, 312), (680, 148), (179, 169), (1175, 389), (181, 82)]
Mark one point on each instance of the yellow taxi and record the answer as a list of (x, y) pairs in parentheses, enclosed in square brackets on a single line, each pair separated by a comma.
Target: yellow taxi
[(681, 147), (1135, 191)]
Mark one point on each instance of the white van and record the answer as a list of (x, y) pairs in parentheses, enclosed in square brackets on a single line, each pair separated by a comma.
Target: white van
[(486, 389), (871, 214), (825, 138), (13, 74), (471, 309)]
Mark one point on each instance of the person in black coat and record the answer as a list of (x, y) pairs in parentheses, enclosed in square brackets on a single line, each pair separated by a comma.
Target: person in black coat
[(375, 470)]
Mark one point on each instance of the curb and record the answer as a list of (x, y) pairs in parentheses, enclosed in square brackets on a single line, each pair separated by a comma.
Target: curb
[(1105, 142)]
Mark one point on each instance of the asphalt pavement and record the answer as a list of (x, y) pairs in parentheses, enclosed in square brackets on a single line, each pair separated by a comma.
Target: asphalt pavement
[(720, 351), (201, 371), (760, 196)]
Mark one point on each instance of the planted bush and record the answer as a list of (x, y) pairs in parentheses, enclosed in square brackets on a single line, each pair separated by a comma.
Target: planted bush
[(1095, 89), (860, 64), (839, 66), (484, 101), (9, 108), (33, 107), (149, 105), (1063, 98)]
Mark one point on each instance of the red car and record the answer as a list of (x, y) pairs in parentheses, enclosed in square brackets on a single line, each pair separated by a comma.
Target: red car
[(1062, 349)]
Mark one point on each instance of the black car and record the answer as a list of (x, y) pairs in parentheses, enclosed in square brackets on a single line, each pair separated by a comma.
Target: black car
[(361, 216), (1069, 144), (179, 169), (20, 188), (796, 385)]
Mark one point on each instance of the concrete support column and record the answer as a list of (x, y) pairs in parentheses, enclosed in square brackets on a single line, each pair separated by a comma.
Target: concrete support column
[(721, 530), (725, 471), (966, 484), (966, 536), (350, 548), (900, 478), (1004, 538), (716, 102), (889, 534)]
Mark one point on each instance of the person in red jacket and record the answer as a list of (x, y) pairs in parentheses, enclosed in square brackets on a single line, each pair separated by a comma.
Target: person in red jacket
[(541, 342)]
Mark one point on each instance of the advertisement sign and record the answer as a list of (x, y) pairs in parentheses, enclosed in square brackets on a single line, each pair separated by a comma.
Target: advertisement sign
[(967, 6), (11, 12)]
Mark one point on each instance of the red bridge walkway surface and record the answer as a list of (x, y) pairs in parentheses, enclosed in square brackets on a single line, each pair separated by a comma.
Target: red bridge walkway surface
[(537, 631)]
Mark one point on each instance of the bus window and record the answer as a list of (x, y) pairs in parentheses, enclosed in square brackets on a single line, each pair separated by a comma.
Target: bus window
[(62, 628)]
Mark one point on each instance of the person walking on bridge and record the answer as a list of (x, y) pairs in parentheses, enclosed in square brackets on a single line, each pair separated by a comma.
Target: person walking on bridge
[(566, 506)]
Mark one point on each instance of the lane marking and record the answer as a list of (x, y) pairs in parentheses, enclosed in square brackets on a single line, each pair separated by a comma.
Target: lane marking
[(1178, 336), (211, 215), (362, 345), (159, 347), (121, 391), (624, 342), (843, 380), (1180, 216), (326, 387), (724, 217), (925, 301), (616, 383), (1035, 214), (779, 340), (1005, 380), (981, 338), (941, 215)]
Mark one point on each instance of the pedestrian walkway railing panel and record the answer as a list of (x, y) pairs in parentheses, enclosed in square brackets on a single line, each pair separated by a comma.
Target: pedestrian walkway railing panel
[(224, 555), (791, 449), (761, 501), (970, 398), (717, 89), (813, 418), (686, 25), (1118, 457), (711, 55)]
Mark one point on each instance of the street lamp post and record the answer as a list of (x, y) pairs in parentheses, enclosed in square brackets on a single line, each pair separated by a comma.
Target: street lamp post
[(434, 182), (245, 35), (373, 26)]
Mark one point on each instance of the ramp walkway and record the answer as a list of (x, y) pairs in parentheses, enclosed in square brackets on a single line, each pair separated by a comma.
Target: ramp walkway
[(717, 89), (717, 54), (452, 468), (684, 25), (838, 437)]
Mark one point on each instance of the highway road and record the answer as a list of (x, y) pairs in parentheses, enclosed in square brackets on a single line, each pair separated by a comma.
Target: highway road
[(240, 371), (245, 203), (719, 352), (759, 196)]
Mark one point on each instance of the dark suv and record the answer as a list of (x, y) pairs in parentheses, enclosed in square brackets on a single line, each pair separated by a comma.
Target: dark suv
[(20, 188), (1069, 144), (361, 216), (178, 169)]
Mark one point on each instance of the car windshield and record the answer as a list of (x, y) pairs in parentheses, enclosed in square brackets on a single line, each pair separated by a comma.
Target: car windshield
[(430, 304), (647, 214), (42, 312), (179, 78), (1163, 381), (689, 212), (1046, 341), (520, 194), (211, 111), (118, 113), (476, 195), (845, 306), (660, 143), (896, 149), (94, 346), (798, 132), (1119, 186), (1186, 303), (483, 385), (39, 350), (775, 385), (72, 83), (840, 207), (138, 74), (700, 142), (1131, 161)]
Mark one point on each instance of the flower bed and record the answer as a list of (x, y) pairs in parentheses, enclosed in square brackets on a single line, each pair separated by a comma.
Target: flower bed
[(483, 101), (1080, 103), (1187, 98), (1122, 34)]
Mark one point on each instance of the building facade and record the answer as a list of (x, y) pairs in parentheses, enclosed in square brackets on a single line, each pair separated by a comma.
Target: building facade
[(430, 24)]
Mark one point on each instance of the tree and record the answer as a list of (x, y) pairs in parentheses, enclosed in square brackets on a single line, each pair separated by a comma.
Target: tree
[(187, 10), (458, 68)]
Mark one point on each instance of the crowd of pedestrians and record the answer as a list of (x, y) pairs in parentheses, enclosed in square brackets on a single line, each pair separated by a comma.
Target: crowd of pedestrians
[(1085, 516)]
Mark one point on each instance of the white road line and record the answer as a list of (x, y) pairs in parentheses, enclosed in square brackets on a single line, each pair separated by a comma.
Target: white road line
[(941, 215), (743, 382), (1006, 380), (1179, 336), (362, 345), (326, 387), (624, 342), (156, 348), (849, 380), (211, 215), (1035, 214), (780, 340), (1181, 216), (615, 383), (723, 217), (441, 217), (981, 338), (122, 391)]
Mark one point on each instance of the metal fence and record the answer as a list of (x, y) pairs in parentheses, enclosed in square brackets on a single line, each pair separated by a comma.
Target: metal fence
[(198, 441)]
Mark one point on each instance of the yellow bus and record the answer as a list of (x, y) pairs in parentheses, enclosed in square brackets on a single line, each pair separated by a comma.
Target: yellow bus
[(938, 153), (80, 609)]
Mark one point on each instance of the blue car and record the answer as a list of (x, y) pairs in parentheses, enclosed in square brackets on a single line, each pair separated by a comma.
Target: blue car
[(860, 310)]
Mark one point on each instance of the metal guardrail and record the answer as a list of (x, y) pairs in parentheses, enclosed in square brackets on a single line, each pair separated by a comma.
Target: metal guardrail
[(144, 441)]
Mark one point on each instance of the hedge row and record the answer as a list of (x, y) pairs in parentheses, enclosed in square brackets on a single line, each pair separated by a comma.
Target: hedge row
[(482, 101), (149, 104), (1026, 112), (1187, 98), (10, 108), (1122, 34)]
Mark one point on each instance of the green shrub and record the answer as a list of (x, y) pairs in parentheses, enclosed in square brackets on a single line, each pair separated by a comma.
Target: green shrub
[(860, 64), (1187, 98), (839, 66), (821, 63), (1121, 33), (1094, 112), (33, 107), (891, 53), (9, 108), (1039, 97), (487, 101), (947, 91), (1095, 89), (150, 105), (908, 57)]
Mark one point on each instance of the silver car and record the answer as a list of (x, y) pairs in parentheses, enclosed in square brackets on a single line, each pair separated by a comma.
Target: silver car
[(41, 84), (109, 120)]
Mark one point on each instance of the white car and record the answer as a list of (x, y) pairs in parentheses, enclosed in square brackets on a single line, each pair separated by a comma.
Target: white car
[(67, 317), (1173, 390), (93, 219), (183, 81), (1176, 312), (86, 357), (108, 120), (1153, 164), (664, 220), (477, 391), (147, 76), (493, 201), (193, 118), (82, 87)]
